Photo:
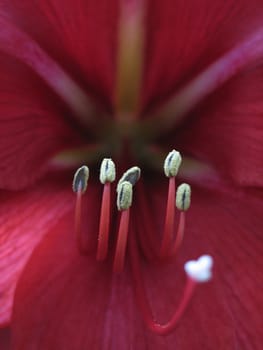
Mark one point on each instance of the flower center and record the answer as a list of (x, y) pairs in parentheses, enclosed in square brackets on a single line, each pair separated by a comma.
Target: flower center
[(196, 271)]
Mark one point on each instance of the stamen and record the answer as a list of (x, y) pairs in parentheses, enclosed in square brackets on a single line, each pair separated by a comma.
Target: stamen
[(171, 166), (79, 185), (107, 171), (132, 175), (183, 197), (197, 271), (107, 175), (172, 163), (80, 179), (179, 234), (202, 265), (183, 201), (124, 198), (124, 201)]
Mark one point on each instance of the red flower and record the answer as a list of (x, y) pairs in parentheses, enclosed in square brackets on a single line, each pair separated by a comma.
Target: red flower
[(199, 91)]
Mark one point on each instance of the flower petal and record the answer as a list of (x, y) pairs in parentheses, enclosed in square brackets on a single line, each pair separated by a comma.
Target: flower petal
[(183, 38), (5, 338), (93, 308), (32, 127), (26, 217), (80, 35), (231, 226), (81, 292), (230, 122), (16, 43)]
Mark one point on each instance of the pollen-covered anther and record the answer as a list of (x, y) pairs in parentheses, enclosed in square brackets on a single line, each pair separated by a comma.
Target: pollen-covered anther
[(172, 163), (200, 270), (107, 171), (124, 195), (183, 197), (131, 175), (80, 180)]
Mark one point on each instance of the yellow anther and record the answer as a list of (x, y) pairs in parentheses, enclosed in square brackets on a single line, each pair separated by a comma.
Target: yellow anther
[(183, 197), (172, 163), (132, 175), (124, 195), (107, 171)]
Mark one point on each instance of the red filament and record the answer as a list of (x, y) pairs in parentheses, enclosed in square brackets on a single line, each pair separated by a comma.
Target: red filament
[(103, 239), (121, 241), (169, 219), (180, 233), (78, 220)]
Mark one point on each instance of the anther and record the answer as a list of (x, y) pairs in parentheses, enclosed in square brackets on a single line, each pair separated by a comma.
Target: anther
[(124, 196), (107, 175), (79, 185), (80, 179), (171, 166), (132, 175), (107, 171), (172, 163), (183, 197), (183, 201), (124, 201)]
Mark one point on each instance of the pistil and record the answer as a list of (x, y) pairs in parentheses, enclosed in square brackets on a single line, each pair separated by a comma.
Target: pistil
[(197, 271)]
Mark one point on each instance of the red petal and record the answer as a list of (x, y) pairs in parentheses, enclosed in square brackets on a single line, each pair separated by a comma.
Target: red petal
[(31, 127), (183, 38), (28, 110), (230, 228), (25, 218), (80, 290), (5, 339), (93, 308), (80, 35), (65, 301), (230, 122)]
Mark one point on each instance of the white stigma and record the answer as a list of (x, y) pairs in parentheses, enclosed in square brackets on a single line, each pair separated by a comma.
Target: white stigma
[(80, 180), (183, 197), (172, 163), (124, 195), (200, 270), (107, 171)]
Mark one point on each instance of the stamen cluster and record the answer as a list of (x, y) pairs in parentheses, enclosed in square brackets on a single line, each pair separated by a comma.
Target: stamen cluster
[(196, 270)]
